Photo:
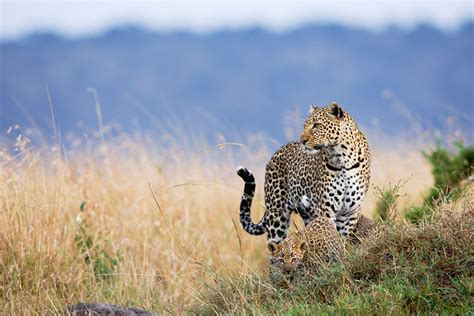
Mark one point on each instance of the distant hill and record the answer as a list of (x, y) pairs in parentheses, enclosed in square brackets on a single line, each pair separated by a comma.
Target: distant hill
[(236, 82)]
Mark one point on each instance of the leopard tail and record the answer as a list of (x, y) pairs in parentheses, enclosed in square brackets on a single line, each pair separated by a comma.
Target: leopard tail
[(246, 204)]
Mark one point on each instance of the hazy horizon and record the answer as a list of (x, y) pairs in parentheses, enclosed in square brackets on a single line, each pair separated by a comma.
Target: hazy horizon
[(82, 19)]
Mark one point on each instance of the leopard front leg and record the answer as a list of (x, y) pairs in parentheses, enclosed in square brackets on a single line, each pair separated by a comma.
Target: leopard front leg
[(346, 223)]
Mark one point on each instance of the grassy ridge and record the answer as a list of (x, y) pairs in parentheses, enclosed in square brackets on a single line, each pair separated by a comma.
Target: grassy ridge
[(409, 270)]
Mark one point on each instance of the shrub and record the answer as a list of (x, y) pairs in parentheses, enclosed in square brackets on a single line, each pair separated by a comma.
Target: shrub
[(448, 169)]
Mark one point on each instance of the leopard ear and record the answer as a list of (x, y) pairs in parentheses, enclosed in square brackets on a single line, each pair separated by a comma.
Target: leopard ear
[(272, 246), (312, 108), (336, 110)]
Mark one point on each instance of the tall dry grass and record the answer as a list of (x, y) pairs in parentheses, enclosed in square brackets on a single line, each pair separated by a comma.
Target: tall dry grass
[(166, 208)]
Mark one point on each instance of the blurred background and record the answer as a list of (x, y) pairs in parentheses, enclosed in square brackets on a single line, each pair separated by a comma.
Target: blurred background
[(227, 69), (122, 124)]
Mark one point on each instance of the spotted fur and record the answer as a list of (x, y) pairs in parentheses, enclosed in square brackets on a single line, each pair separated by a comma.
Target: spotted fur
[(328, 171)]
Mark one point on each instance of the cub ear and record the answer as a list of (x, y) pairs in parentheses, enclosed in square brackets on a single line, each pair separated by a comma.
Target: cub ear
[(303, 245), (312, 108), (272, 246), (336, 110)]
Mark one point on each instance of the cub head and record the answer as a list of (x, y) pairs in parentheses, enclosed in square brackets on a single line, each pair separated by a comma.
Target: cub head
[(286, 258), (324, 126)]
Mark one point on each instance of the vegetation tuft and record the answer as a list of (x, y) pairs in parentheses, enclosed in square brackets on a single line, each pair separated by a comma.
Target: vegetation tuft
[(386, 209), (96, 251)]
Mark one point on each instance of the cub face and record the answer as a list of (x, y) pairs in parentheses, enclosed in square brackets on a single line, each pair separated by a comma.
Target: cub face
[(324, 126), (287, 258)]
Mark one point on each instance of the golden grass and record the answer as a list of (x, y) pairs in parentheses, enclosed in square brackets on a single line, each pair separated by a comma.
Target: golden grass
[(169, 213)]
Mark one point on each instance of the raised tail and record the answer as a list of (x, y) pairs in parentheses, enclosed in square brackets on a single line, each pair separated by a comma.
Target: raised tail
[(246, 203)]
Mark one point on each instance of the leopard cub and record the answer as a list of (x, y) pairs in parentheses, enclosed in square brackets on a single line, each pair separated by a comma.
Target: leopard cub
[(317, 245)]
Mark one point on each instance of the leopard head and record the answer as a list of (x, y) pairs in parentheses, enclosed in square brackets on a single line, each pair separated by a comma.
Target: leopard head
[(286, 258), (325, 126)]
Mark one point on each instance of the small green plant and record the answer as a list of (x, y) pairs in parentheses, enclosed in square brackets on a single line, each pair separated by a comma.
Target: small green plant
[(448, 169), (386, 208), (416, 214), (95, 251)]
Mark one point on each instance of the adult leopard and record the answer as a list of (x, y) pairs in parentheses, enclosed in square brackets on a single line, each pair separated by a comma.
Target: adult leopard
[(325, 174)]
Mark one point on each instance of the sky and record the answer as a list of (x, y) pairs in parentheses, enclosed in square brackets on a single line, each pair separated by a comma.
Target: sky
[(82, 18)]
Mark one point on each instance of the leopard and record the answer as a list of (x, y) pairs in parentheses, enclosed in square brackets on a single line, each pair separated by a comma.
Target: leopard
[(325, 173), (317, 245)]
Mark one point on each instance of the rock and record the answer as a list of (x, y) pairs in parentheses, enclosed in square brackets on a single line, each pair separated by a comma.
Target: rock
[(97, 309)]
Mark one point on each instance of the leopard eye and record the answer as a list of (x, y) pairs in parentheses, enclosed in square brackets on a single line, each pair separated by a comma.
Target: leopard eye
[(316, 124)]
